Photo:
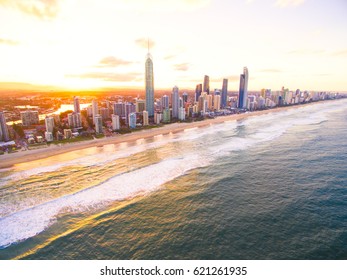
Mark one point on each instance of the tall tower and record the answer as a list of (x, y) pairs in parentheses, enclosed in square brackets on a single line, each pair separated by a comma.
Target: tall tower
[(76, 104), (175, 102), (243, 93), (206, 84), (198, 91), (149, 80), (224, 96), (4, 135)]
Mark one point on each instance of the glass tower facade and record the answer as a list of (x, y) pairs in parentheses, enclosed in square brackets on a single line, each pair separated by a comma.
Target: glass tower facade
[(243, 92), (149, 79), (224, 93)]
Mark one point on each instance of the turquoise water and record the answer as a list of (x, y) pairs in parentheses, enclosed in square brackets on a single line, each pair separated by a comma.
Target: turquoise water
[(267, 187)]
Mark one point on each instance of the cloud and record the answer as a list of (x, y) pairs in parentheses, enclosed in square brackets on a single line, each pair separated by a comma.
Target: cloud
[(170, 56), (270, 70), (306, 52), (8, 42), (231, 78), (159, 5), (111, 61), (43, 9), (143, 43), (340, 53), (288, 3), (110, 77), (181, 67)]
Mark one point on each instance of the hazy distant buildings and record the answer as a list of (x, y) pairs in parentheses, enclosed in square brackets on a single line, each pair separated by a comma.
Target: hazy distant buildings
[(185, 97), (4, 135), (224, 93), (206, 84), (76, 105), (29, 117), (149, 80), (243, 94)]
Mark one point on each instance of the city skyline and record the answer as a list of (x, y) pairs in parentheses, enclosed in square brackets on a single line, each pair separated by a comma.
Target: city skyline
[(79, 45)]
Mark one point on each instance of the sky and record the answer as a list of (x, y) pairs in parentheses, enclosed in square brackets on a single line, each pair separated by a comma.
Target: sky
[(91, 44)]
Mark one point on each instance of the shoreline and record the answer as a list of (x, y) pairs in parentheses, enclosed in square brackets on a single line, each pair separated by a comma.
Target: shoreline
[(9, 160)]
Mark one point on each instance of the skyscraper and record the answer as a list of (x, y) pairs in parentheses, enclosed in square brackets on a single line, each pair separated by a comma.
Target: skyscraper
[(145, 118), (206, 84), (49, 121), (165, 102), (175, 102), (243, 94), (115, 122), (76, 104), (98, 124), (132, 120), (198, 91), (224, 93), (4, 135), (149, 80), (95, 109)]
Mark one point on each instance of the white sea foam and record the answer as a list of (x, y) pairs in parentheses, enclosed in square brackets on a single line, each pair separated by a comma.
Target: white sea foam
[(27, 223)]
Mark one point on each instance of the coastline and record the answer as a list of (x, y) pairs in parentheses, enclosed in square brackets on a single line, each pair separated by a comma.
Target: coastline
[(9, 160)]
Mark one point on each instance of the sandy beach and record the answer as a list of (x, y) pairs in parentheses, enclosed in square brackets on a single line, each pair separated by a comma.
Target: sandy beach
[(8, 160)]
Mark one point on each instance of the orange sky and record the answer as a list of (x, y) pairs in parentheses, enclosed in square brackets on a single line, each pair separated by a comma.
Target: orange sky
[(83, 44)]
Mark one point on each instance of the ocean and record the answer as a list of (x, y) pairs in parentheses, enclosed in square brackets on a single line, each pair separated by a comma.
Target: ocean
[(266, 187)]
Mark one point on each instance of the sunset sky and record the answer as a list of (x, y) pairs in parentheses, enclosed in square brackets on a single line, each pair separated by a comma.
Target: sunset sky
[(89, 44)]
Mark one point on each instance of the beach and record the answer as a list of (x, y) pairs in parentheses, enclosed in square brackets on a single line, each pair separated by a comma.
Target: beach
[(8, 160)]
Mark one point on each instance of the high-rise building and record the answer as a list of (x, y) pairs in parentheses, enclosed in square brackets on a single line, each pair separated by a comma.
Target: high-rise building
[(158, 117), (95, 109), (175, 102), (145, 118), (140, 105), (115, 122), (98, 124), (166, 115), (181, 114), (105, 113), (67, 133), (185, 97), (224, 96), (243, 93), (132, 120), (74, 120), (149, 80), (198, 91), (165, 102), (119, 109), (30, 117), (206, 84), (49, 121), (49, 136), (4, 135), (216, 102), (76, 105)]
